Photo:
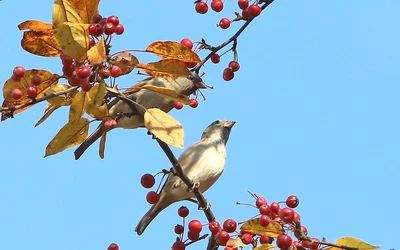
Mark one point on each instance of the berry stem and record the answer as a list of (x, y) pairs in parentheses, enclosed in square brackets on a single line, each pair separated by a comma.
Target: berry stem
[(200, 238)]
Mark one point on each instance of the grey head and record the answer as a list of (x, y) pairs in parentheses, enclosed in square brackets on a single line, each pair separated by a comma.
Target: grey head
[(197, 84), (218, 130)]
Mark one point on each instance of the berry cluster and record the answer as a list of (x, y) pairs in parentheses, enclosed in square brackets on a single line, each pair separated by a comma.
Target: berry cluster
[(31, 89), (106, 26)]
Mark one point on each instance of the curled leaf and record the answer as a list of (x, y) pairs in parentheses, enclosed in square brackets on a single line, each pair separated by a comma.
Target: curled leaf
[(274, 229), (165, 68), (102, 145), (173, 50), (168, 93), (97, 53), (126, 61)]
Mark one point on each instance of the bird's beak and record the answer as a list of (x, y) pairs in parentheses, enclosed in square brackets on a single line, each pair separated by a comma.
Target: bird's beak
[(200, 85), (229, 124)]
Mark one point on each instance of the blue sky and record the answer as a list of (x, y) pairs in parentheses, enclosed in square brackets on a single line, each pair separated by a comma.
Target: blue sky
[(317, 108)]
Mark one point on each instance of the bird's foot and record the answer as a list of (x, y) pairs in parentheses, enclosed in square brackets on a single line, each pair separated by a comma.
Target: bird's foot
[(195, 185), (208, 205)]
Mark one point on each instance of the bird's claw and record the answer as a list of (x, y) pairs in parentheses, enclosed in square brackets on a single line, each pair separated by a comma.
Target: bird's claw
[(208, 205), (195, 185)]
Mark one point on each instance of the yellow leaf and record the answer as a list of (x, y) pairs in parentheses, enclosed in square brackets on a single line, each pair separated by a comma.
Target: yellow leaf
[(77, 108), (173, 50), (102, 145), (165, 68), (73, 39), (126, 61), (70, 135), (164, 126), (354, 243), (47, 114), (265, 247), (99, 112), (61, 100), (97, 53), (235, 243), (168, 93), (95, 97), (86, 9), (113, 89), (274, 229), (48, 80)]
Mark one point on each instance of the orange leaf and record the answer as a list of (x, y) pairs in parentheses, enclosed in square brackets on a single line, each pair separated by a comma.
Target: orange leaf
[(126, 61), (274, 229), (265, 247), (86, 9), (39, 38), (173, 50), (97, 53), (48, 80), (164, 68)]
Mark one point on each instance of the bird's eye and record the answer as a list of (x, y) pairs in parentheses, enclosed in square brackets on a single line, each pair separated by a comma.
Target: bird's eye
[(191, 77)]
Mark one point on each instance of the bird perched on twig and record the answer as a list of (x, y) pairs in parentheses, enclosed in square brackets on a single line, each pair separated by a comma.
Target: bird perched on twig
[(186, 85), (202, 162)]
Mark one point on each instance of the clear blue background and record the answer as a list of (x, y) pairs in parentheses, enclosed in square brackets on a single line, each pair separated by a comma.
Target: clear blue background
[(317, 108)]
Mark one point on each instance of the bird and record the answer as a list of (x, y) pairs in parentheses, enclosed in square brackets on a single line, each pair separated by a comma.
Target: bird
[(203, 163), (185, 85)]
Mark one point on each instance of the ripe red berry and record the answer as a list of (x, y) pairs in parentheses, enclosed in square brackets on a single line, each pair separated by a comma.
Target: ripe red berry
[(110, 124), (303, 229), (245, 14), (192, 235), (193, 103), (284, 241), (217, 5), (298, 245), (190, 64), (224, 23), (178, 245), (91, 42), (296, 218), (183, 211), (214, 227), (261, 201), (99, 28), (229, 225), (31, 91), (113, 19), (274, 207), (152, 197), (92, 29), (246, 238), (179, 229), (243, 4), (215, 58), (104, 72), (74, 81), (108, 28), (147, 181), (264, 220), (177, 105), (15, 78), (264, 239), (222, 238), (19, 71), (83, 72), (264, 210), (292, 201), (96, 18), (201, 7), (115, 71), (254, 10), (119, 29), (187, 43), (195, 226), (85, 84), (103, 21), (234, 66), (113, 246), (314, 245), (286, 214), (228, 75), (16, 94), (66, 60)]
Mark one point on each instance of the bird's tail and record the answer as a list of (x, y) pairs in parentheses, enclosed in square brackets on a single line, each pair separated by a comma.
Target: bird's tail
[(148, 218), (89, 141)]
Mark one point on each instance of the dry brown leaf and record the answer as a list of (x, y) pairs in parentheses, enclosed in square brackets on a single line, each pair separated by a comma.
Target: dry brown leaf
[(86, 9), (47, 114), (265, 247), (164, 126), (102, 145), (235, 243), (97, 53), (274, 229), (168, 93), (77, 108), (48, 80), (126, 61), (173, 50), (165, 68), (61, 100), (70, 135)]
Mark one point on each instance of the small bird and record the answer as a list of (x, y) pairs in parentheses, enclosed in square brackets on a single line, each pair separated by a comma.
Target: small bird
[(186, 85), (203, 162)]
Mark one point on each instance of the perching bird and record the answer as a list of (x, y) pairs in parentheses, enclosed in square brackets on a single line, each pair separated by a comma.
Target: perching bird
[(203, 162), (186, 85)]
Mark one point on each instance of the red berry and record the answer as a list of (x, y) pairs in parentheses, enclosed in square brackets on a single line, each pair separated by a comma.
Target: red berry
[(214, 227), (234, 66), (92, 29), (274, 207), (91, 42), (104, 72), (243, 4), (99, 28), (228, 74), (284, 241), (103, 21), (113, 246), (15, 78), (193, 236), (85, 84), (179, 229), (264, 220), (187, 43), (74, 81), (178, 245), (113, 19), (152, 197), (298, 245), (19, 71), (222, 238), (193, 103), (229, 226), (246, 238), (177, 105), (31, 91), (224, 23), (314, 245), (296, 218), (264, 240), (254, 10), (201, 7), (245, 14), (16, 94), (66, 60), (195, 226), (286, 214), (264, 210), (183, 211), (108, 28), (261, 201), (305, 243), (217, 5), (147, 181), (110, 124), (190, 64), (115, 71), (303, 229), (83, 72), (119, 29), (215, 58), (292, 201), (230, 248), (96, 18)]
